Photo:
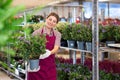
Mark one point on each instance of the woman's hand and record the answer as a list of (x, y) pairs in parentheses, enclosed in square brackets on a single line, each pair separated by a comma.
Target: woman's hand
[(45, 55)]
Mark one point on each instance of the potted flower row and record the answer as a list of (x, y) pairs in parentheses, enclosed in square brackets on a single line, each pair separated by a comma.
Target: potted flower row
[(80, 32), (109, 34), (75, 33)]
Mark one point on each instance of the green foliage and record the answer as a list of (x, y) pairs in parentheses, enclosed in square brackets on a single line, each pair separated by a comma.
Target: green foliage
[(77, 32), (61, 25), (73, 72), (7, 21), (36, 18), (88, 34), (29, 46), (8, 50), (34, 26), (5, 66), (109, 76), (69, 32), (101, 33), (81, 72), (117, 33), (109, 34), (83, 33)]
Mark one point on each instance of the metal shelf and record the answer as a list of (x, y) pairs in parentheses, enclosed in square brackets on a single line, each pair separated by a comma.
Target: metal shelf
[(109, 49), (101, 52), (76, 49), (10, 73), (73, 54)]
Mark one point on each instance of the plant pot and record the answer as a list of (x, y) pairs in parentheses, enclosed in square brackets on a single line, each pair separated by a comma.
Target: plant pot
[(109, 42), (17, 58), (80, 45), (71, 43), (88, 46), (64, 43), (34, 64)]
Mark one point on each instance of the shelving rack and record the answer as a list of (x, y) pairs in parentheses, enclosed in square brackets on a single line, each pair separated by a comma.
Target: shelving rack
[(101, 52), (10, 73), (19, 70), (73, 54)]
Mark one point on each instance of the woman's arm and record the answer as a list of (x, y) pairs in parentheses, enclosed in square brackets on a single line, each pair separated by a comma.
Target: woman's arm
[(57, 42), (55, 50)]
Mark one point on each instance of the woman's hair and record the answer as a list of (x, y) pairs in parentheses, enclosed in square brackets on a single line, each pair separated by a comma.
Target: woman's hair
[(55, 15)]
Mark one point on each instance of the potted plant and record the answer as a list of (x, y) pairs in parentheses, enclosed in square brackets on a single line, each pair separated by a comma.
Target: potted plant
[(34, 26), (101, 33), (88, 38), (69, 33), (31, 47), (117, 34), (60, 27), (80, 36), (109, 34), (101, 36)]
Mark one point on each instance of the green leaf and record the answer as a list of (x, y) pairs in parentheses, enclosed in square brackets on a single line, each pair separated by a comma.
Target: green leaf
[(3, 39), (5, 3), (10, 51), (12, 11), (1, 26)]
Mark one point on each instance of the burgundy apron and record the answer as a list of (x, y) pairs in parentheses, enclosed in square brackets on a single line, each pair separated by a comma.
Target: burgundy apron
[(47, 66)]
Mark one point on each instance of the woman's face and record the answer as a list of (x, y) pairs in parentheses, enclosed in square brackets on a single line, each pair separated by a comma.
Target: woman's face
[(51, 22)]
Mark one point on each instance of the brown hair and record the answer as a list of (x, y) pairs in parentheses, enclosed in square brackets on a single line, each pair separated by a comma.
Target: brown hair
[(55, 15)]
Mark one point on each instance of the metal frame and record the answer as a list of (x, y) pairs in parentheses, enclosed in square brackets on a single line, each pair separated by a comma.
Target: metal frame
[(95, 42), (10, 73), (73, 54)]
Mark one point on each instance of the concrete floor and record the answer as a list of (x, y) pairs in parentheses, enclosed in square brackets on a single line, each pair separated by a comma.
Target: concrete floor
[(4, 76)]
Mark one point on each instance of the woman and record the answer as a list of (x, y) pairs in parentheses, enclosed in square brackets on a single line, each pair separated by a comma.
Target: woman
[(47, 64)]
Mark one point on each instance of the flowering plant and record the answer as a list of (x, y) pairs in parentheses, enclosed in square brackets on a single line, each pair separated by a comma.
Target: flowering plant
[(81, 33), (111, 29), (77, 32), (88, 34), (110, 32), (69, 32), (117, 33), (30, 46), (34, 26), (61, 25), (66, 71), (101, 33)]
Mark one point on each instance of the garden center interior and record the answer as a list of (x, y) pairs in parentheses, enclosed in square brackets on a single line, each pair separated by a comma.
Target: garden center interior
[(98, 58)]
